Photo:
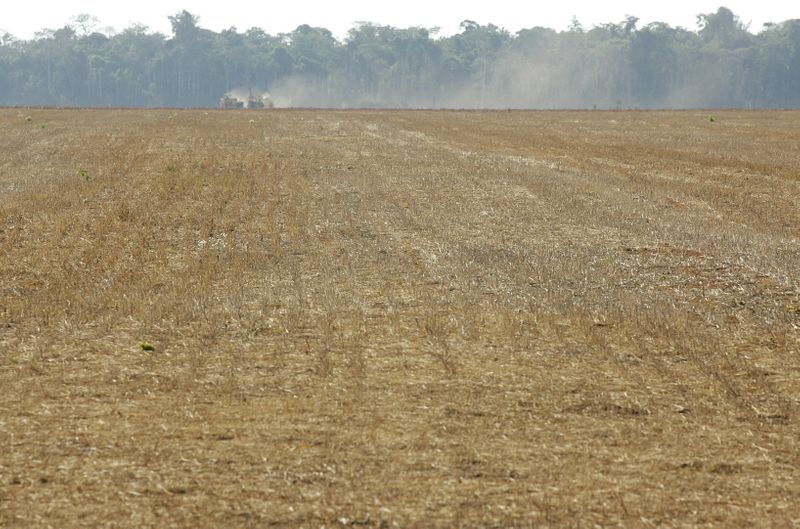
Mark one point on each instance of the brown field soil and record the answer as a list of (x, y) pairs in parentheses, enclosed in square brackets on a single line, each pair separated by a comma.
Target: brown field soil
[(399, 319)]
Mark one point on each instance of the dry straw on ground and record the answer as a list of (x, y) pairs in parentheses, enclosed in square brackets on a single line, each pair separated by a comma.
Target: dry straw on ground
[(399, 319)]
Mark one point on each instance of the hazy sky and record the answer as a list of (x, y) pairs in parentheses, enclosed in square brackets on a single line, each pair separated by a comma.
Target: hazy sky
[(22, 18)]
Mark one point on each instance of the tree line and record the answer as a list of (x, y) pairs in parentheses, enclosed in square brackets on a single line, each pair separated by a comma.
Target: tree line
[(614, 65)]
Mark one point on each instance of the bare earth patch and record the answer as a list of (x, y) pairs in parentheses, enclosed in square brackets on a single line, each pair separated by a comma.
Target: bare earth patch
[(399, 319)]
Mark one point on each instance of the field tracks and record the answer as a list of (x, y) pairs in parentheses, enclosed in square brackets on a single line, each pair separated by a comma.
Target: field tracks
[(399, 319)]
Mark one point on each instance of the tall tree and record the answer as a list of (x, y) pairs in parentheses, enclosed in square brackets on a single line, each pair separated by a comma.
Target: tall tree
[(609, 65)]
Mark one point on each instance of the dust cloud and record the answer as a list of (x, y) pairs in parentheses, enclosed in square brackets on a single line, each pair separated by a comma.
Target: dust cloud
[(563, 80)]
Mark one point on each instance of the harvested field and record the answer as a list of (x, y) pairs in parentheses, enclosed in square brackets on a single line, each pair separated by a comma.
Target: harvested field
[(399, 319)]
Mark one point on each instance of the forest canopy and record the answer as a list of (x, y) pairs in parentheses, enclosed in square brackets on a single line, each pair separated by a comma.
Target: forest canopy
[(615, 65)]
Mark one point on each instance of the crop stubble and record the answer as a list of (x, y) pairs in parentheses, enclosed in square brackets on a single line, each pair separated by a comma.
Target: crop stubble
[(399, 318)]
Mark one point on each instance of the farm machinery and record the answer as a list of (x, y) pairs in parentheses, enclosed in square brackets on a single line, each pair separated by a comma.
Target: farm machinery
[(252, 102), (229, 102)]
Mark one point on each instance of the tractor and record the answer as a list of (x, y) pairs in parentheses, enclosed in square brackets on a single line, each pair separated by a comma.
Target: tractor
[(229, 102), (256, 102)]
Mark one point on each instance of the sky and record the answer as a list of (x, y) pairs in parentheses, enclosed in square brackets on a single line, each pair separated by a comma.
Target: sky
[(23, 18)]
